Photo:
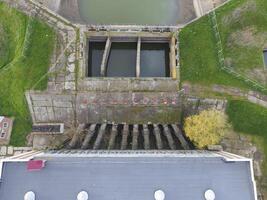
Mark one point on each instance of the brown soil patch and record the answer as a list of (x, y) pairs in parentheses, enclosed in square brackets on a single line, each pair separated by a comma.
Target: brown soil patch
[(248, 37), (234, 16), (258, 74)]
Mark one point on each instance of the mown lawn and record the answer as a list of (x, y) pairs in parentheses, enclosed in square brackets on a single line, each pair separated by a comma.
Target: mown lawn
[(242, 25), (22, 64)]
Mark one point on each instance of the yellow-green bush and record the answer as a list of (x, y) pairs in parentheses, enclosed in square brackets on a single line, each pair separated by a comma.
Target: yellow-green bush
[(206, 128)]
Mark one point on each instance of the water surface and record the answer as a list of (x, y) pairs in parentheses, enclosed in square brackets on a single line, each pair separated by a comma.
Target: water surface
[(155, 60), (96, 51), (122, 60), (155, 12)]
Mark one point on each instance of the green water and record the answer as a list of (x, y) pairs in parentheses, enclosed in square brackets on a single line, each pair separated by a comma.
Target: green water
[(122, 59), (152, 12)]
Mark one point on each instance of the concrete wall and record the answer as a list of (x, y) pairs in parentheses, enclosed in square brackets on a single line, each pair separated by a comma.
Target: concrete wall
[(99, 107), (194, 105), (128, 107), (128, 84), (51, 4), (116, 107)]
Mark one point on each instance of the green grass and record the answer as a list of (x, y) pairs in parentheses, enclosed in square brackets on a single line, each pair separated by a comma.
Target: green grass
[(22, 66), (250, 119), (12, 34), (243, 31), (198, 57)]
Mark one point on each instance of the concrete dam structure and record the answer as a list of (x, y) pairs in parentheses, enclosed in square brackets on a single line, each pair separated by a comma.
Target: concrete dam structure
[(115, 73), (124, 76)]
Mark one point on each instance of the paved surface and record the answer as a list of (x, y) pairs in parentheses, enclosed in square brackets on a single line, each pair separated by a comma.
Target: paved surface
[(129, 178)]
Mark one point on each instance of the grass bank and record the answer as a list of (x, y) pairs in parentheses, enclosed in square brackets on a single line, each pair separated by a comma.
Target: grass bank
[(28, 45), (242, 25), (250, 119)]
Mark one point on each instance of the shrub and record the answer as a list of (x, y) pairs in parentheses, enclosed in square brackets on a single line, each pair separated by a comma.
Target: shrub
[(206, 128)]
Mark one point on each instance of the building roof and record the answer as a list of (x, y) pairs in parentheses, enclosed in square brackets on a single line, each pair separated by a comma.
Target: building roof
[(135, 177)]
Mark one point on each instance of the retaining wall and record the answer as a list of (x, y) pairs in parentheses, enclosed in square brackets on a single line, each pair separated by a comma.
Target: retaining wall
[(99, 107)]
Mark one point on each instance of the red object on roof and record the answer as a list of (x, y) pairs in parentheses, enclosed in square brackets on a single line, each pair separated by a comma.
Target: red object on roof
[(34, 165)]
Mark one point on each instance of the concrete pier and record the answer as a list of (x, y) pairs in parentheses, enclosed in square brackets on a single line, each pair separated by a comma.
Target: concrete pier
[(125, 134), (114, 133), (168, 135), (75, 139), (173, 58), (146, 137), (138, 58), (88, 137), (135, 137), (100, 136), (105, 57), (180, 136), (158, 137)]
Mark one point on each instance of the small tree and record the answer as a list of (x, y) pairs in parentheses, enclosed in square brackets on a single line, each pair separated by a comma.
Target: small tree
[(206, 128)]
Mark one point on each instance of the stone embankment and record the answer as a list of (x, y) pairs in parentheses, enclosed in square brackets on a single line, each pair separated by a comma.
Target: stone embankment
[(252, 96)]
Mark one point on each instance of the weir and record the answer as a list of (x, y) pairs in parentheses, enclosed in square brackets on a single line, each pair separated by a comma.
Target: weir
[(129, 137)]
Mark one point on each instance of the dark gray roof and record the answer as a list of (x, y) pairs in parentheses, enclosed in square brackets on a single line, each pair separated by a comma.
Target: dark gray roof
[(131, 178)]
